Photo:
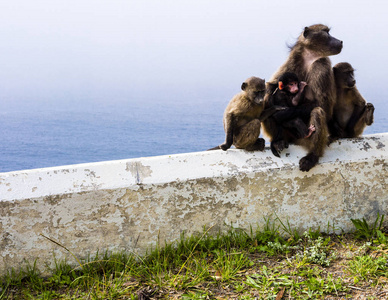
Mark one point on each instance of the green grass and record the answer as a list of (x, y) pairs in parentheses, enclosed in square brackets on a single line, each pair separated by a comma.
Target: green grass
[(273, 262)]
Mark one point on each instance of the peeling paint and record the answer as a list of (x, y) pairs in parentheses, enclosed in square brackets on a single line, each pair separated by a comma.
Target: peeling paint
[(380, 145), (138, 170), (366, 146)]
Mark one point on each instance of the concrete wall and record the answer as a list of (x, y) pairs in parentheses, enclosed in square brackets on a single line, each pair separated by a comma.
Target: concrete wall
[(126, 204)]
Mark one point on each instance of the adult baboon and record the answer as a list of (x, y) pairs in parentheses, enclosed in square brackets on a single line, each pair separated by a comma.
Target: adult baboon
[(308, 59), (351, 112)]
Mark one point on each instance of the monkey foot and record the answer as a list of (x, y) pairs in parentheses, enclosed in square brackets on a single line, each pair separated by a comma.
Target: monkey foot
[(278, 146), (224, 146), (311, 131), (369, 110), (331, 139), (259, 145), (307, 162)]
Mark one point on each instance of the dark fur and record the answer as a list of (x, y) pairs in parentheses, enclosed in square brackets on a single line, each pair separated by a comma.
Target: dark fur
[(293, 118), (351, 112), (241, 117), (308, 59)]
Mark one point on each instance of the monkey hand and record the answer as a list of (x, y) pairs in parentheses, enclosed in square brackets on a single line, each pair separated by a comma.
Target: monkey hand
[(302, 85), (311, 130), (224, 146), (270, 111), (369, 110), (307, 162)]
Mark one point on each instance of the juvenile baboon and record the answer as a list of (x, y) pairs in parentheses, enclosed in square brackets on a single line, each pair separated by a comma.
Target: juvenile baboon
[(297, 109), (308, 59), (351, 112), (241, 117)]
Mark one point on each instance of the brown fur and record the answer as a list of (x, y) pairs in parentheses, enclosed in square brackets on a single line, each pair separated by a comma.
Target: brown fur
[(351, 112), (308, 59), (241, 117)]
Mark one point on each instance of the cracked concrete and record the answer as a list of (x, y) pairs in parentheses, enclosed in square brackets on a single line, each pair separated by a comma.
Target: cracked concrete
[(130, 204)]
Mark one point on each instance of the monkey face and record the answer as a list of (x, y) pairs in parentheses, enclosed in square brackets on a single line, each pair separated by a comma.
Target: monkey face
[(318, 39), (289, 88), (258, 97), (350, 81), (254, 87), (288, 82), (344, 75), (293, 87)]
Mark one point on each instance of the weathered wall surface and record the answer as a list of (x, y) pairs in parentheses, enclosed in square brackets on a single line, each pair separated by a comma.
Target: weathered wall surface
[(127, 204)]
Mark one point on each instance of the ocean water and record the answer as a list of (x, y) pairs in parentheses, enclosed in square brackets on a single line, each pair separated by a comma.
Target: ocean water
[(46, 134), (36, 135)]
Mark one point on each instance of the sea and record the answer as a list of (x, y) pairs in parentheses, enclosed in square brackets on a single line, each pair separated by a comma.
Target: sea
[(39, 134)]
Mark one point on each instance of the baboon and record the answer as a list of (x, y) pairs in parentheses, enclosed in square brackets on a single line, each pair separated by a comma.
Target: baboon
[(351, 112), (296, 112), (309, 60), (241, 117)]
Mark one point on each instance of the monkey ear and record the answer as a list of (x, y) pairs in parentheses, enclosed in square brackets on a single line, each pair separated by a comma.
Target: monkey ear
[(306, 32), (281, 85), (244, 86)]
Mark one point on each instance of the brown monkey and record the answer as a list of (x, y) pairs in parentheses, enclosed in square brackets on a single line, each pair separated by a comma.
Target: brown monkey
[(351, 112), (308, 59), (241, 117)]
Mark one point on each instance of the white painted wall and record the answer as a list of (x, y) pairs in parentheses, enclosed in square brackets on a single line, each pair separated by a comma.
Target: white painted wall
[(126, 204)]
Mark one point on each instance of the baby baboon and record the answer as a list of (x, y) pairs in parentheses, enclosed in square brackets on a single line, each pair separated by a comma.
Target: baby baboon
[(351, 112), (296, 112), (308, 59), (241, 117)]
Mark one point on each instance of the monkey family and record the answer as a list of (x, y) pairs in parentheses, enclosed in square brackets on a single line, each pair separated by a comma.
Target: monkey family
[(306, 102)]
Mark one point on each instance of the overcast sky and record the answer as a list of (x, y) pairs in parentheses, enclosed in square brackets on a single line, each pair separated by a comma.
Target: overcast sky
[(168, 50)]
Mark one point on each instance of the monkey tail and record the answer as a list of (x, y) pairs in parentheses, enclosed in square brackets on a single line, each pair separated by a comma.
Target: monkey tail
[(214, 148)]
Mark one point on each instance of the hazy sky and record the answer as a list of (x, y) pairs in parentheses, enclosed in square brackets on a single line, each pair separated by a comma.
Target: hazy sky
[(179, 50)]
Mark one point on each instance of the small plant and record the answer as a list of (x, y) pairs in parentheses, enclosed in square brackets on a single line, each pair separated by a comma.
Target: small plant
[(367, 267), (269, 282), (294, 235), (195, 296), (240, 287), (270, 240), (228, 264), (370, 232), (317, 251), (278, 248)]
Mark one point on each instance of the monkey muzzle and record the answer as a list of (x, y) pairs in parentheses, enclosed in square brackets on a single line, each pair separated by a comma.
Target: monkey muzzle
[(351, 83), (258, 100), (336, 46)]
